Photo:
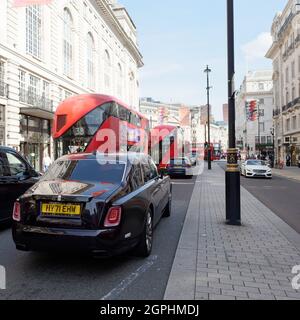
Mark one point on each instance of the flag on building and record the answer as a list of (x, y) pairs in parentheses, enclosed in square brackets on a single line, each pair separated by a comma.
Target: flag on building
[(24, 3), (251, 110)]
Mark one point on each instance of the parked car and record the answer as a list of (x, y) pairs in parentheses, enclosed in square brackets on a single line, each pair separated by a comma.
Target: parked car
[(193, 159), (16, 176), (256, 168), (181, 167), (103, 205)]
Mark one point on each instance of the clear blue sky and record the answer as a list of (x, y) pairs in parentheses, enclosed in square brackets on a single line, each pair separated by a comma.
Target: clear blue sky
[(179, 38)]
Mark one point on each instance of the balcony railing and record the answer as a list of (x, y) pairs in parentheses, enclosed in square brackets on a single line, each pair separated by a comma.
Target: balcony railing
[(35, 100), (291, 104), (276, 112), (3, 89)]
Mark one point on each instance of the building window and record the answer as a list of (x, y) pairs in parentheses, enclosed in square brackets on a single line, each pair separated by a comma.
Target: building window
[(22, 86), (262, 101), (294, 123), (120, 80), (2, 77), (288, 125), (68, 43), (90, 61), (33, 30), (262, 127), (293, 70), (33, 89), (287, 97), (2, 114), (293, 94), (269, 140), (261, 86), (287, 76), (261, 112), (107, 63), (2, 72), (46, 90)]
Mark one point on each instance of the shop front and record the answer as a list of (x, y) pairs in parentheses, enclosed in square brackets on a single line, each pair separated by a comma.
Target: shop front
[(35, 142)]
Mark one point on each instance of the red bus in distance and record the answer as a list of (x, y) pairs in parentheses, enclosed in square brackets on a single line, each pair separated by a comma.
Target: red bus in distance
[(166, 142), (89, 122), (215, 152)]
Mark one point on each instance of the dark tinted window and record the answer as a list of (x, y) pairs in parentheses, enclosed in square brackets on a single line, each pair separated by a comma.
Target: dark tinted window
[(2, 166), (146, 171), (90, 123), (136, 177), (86, 170), (180, 161), (16, 166), (124, 114), (153, 169), (77, 138), (114, 110), (135, 120)]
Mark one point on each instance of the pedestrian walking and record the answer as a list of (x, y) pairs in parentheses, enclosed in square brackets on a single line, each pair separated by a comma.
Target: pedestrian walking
[(46, 162), (288, 160)]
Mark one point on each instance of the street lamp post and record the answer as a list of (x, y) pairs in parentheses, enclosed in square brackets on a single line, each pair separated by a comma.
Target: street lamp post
[(208, 71), (272, 131), (259, 139), (233, 184)]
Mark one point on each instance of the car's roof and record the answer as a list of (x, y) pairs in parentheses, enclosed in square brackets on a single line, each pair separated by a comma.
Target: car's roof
[(5, 148), (123, 157)]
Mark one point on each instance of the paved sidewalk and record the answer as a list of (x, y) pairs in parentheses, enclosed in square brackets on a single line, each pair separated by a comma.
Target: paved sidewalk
[(290, 173), (219, 262)]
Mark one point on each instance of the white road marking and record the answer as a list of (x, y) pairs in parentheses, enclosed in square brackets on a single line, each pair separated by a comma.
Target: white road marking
[(114, 293), (183, 183)]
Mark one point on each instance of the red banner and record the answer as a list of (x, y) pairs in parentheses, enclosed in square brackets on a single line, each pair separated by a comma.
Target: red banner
[(252, 110), (24, 3)]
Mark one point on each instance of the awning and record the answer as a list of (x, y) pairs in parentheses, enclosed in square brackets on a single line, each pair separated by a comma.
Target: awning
[(37, 112)]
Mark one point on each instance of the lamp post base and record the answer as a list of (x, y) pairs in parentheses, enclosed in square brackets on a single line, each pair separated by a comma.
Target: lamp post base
[(233, 189), (233, 196)]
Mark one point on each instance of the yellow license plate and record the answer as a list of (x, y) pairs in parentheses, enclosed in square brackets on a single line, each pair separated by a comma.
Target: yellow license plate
[(59, 209)]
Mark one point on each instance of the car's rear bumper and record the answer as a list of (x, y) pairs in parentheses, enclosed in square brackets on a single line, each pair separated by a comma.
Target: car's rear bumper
[(180, 172), (95, 242)]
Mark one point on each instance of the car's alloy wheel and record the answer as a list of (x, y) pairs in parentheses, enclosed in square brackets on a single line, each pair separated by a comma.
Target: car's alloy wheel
[(145, 246)]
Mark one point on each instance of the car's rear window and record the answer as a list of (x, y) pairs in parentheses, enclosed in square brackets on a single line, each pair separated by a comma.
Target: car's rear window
[(86, 170), (179, 161)]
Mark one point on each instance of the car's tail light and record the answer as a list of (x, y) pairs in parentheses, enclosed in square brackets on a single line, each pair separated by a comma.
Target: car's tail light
[(113, 217), (17, 212)]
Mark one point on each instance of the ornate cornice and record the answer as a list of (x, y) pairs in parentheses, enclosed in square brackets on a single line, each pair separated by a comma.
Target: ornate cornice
[(114, 23)]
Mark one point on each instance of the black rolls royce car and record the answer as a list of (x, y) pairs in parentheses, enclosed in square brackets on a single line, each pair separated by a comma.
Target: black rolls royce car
[(16, 176), (93, 203)]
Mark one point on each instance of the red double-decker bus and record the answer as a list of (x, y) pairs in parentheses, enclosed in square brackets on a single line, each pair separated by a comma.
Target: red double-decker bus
[(166, 142), (85, 123), (215, 152)]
